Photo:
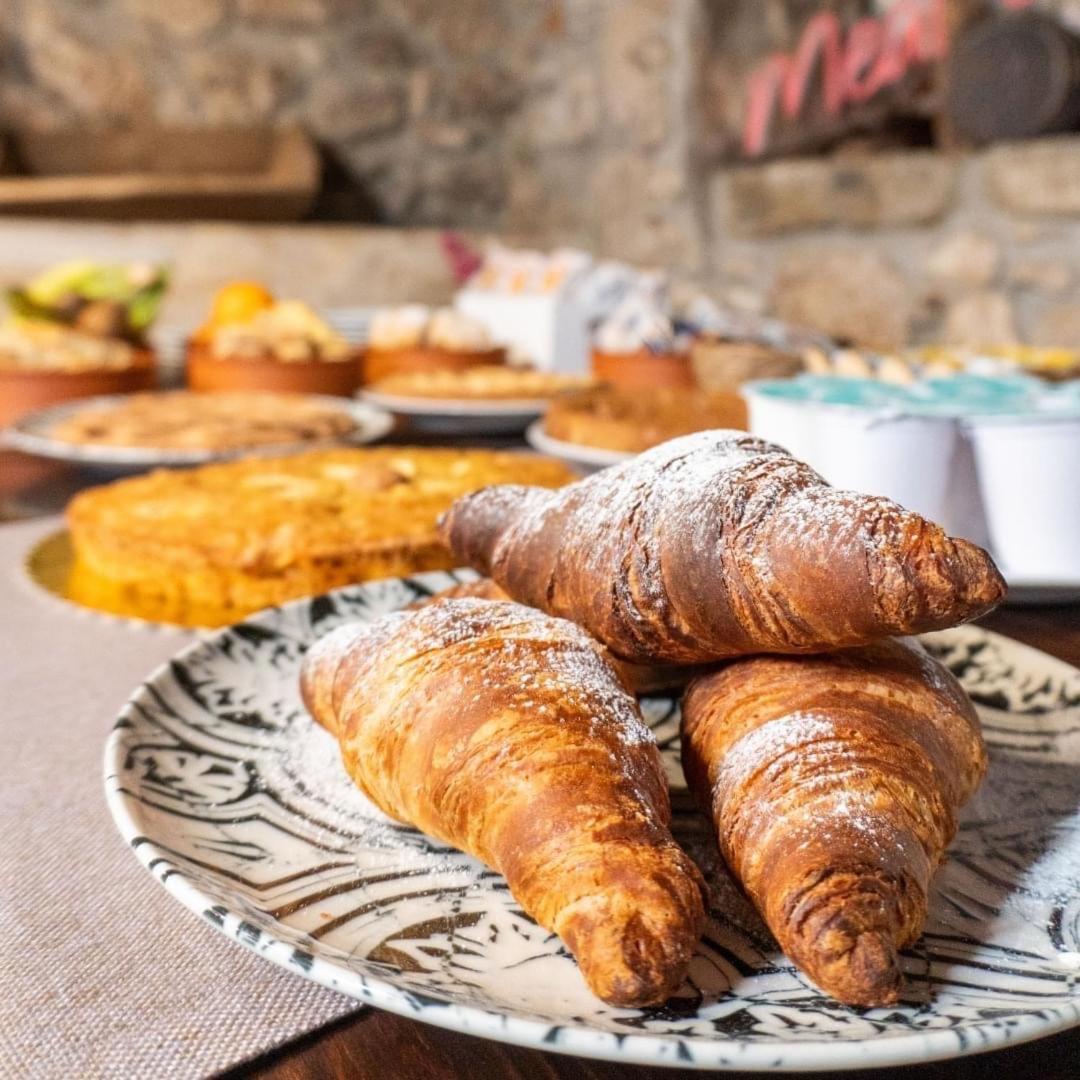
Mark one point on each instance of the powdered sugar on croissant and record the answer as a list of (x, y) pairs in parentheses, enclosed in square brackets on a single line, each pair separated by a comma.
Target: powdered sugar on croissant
[(834, 783), (507, 733), (719, 544)]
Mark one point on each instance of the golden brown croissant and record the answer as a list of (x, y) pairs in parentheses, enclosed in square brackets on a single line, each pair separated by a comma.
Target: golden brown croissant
[(480, 589), (718, 545), (833, 782), (506, 733), (639, 679)]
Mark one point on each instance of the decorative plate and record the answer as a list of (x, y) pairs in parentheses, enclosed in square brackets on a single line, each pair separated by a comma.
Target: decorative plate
[(576, 454), (30, 434), (238, 804), (460, 417)]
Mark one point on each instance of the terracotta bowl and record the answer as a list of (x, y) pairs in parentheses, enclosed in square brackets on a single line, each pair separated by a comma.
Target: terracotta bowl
[(207, 372), (379, 363), (643, 369), (23, 391)]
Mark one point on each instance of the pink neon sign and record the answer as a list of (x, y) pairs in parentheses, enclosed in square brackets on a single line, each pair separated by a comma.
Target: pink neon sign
[(872, 54)]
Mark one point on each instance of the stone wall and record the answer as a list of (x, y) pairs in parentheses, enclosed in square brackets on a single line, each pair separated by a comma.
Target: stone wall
[(589, 122), (979, 247), (571, 118)]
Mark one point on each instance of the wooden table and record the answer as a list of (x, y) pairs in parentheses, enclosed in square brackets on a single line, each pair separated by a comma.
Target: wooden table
[(381, 1046)]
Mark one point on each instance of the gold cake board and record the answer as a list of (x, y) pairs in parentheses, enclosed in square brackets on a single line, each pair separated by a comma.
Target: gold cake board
[(52, 565)]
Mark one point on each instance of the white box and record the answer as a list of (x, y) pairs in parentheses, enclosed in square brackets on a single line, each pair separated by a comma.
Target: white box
[(549, 329)]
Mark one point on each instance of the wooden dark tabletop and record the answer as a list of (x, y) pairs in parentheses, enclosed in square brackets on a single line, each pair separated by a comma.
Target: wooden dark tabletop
[(374, 1045)]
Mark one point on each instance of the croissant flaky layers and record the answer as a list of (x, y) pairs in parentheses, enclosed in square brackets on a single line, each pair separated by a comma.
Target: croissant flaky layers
[(508, 734), (716, 545), (833, 783)]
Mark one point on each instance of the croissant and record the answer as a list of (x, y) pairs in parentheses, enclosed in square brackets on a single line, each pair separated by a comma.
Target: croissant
[(833, 782), (480, 589), (639, 679), (717, 545), (506, 733)]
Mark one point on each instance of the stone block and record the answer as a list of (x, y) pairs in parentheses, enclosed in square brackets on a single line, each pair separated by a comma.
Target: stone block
[(362, 106), (980, 318), (643, 213), (288, 12), (882, 191), (1049, 276), (966, 258), (852, 293), (96, 79), (639, 70), (1041, 176), (1058, 327), (567, 115), (226, 85), (183, 19)]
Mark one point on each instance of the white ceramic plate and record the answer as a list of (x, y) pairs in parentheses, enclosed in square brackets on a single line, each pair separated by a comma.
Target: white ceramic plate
[(464, 417), (238, 804), (30, 434), (584, 457)]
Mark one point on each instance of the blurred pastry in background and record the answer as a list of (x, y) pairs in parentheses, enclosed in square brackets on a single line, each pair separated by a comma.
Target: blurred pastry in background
[(1052, 364), (43, 346), (490, 383), (617, 418), (251, 341), (207, 546), (415, 338), (178, 420), (403, 327), (78, 330), (641, 343), (896, 369), (724, 365), (941, 361), (100, 300)]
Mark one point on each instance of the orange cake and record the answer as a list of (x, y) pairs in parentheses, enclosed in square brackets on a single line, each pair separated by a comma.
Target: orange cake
[(613, 418), (209, 545)]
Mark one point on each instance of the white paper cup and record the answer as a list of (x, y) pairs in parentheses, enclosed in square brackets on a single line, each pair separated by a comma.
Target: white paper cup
[(905, 458), (1029, 474), (965, 514), (789, 422)]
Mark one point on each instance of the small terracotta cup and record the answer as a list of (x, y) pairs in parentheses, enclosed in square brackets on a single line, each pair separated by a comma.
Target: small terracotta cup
[(23, 390), (380, 363), (643, 369), (206, 372)]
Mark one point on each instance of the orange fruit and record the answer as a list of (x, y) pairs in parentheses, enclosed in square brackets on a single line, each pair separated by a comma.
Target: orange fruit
[(239, 302)]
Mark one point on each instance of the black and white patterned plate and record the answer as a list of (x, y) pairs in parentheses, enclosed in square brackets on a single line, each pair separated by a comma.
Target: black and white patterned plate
[(238, 805)]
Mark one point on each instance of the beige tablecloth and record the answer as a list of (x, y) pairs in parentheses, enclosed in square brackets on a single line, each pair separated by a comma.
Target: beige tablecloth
[(102, 973)]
